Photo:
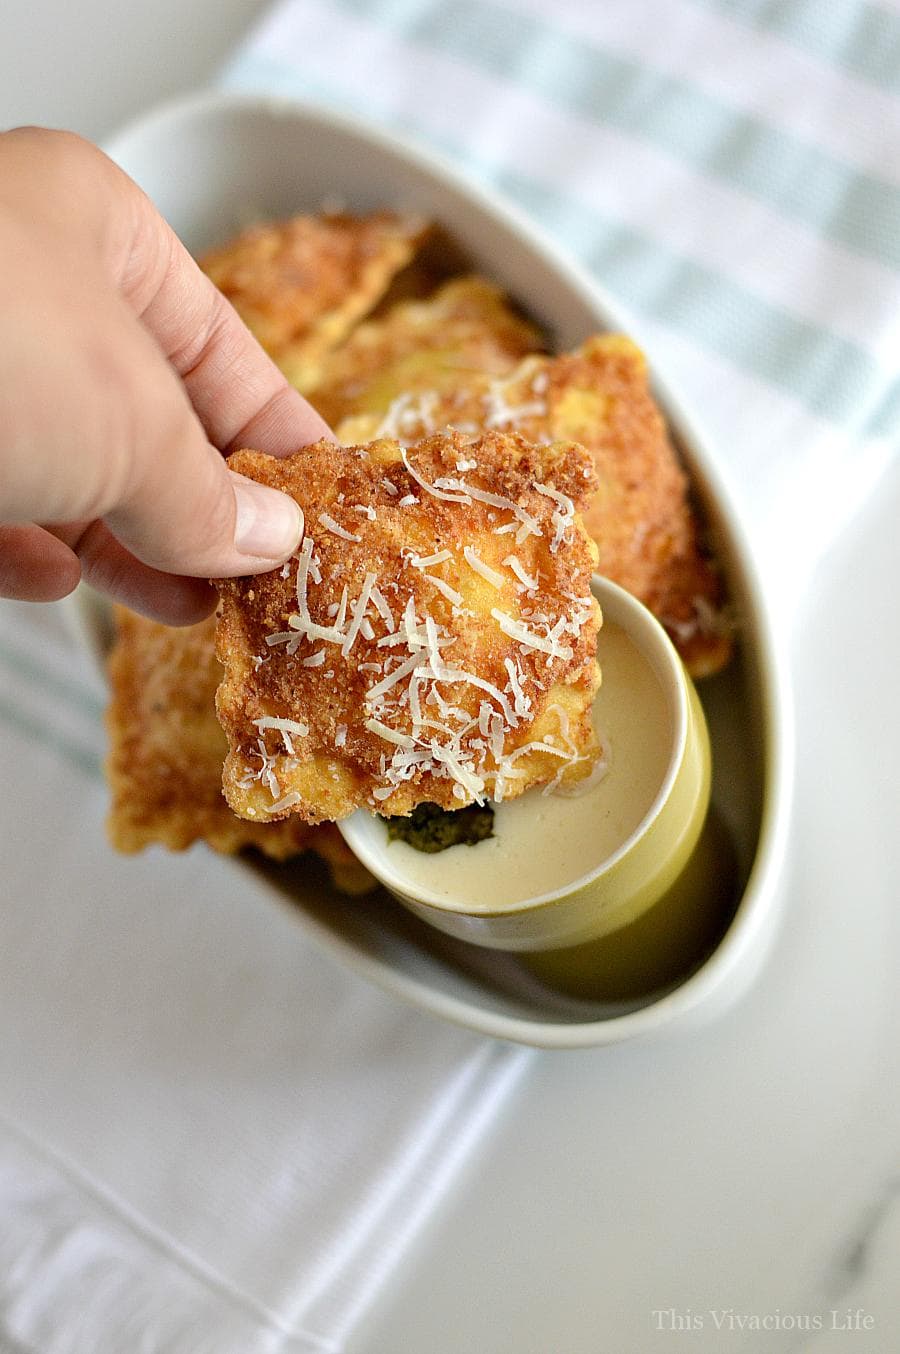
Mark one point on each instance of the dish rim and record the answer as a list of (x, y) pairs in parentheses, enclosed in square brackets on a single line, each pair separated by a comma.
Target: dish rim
[(746, 932)]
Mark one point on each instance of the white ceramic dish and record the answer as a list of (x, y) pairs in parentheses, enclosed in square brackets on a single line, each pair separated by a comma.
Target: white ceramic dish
[(213, 163)]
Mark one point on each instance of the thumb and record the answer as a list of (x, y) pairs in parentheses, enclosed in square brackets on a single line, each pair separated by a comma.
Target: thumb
[(181, 509), (191, 515), (267, 527)]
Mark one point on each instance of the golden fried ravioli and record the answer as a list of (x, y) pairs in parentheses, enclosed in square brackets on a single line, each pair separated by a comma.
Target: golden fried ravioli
[(301, 285), (640, 514), (167, 748), (433, 641), (467, 326)]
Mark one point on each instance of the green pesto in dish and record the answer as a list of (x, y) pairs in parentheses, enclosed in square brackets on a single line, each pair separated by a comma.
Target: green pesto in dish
[(430, 828)]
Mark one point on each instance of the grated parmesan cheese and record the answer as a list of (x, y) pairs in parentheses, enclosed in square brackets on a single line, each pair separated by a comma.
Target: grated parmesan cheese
[(518, 630), (286, 727), (288, 637), (390, 735), (382, 608), (359, 611), (283, 725), (381, 688), (499, 413), (445, 589), (494, 500), (342, 610), (444, 674), (474, 562), (563, 516), (336, 529), (521, 703), (303, 622), (407, 414), (529, 583), (433, 489), (426, 561)]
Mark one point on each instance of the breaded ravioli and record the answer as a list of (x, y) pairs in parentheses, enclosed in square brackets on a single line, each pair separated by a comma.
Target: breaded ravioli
[(433, 641), (640, 514), (301, 285), (167, 748), (468, 325)]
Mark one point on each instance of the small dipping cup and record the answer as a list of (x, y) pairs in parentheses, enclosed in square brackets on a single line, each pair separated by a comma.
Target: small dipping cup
[(643, 915)]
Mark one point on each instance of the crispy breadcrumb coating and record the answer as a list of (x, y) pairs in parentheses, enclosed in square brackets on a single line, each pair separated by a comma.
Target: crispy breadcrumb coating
[(434, 640), (166, 751), (301, 285), (641, 514)]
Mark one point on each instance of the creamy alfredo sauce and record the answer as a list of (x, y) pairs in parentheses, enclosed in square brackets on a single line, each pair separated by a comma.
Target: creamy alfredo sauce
[(543, 842)]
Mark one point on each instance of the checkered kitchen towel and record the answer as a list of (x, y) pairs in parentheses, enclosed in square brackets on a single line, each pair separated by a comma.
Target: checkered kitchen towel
[(210, 1137)]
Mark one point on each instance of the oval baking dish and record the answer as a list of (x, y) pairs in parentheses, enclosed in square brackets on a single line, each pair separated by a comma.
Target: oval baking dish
[(213, 163)]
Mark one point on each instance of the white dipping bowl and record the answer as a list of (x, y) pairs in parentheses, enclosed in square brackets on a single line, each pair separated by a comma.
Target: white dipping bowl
[(214, 163)]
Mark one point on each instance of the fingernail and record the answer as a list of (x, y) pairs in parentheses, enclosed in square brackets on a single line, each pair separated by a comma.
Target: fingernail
[(269, 524)]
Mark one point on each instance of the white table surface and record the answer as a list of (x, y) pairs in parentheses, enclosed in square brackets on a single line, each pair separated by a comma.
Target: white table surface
[(631, 1198)]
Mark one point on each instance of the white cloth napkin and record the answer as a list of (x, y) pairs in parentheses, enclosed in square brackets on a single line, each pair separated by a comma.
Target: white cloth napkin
[(211, 1137)]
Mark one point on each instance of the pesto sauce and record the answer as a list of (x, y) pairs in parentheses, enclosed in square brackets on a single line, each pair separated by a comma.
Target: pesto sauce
[(430, 828)]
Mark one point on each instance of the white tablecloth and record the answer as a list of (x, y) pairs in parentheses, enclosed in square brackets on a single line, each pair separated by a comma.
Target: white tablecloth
[(211, 1136)]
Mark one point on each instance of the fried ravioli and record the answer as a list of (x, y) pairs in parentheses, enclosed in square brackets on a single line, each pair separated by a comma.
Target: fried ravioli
[(301, 285), (640, 515), (433, 641), (467, 326), (167, 748)]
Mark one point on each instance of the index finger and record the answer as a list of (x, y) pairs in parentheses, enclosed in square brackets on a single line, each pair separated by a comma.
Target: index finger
[(239, 394)]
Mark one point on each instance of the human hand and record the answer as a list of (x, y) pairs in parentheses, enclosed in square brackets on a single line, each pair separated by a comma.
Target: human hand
[(124, 377)]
